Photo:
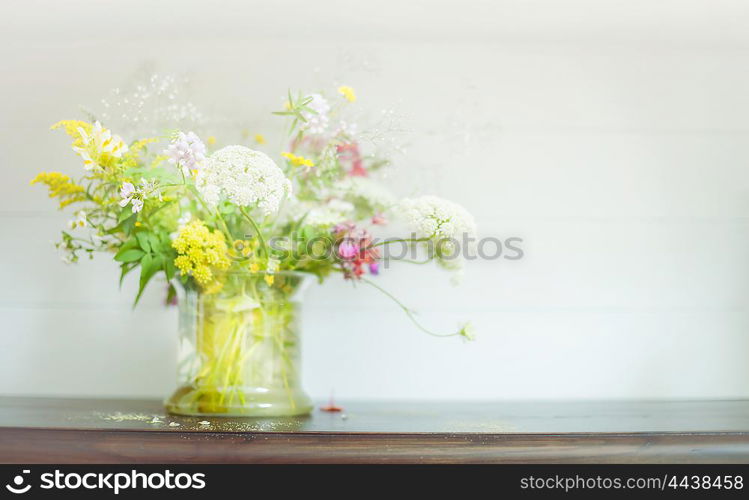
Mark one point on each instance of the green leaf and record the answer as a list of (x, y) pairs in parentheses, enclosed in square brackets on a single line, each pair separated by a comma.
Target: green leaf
[(171, 294), (124, 270), (124, 214), (125, 223), (143, 241), (149, 265), (130, 243), (169, 269), (129, 255)]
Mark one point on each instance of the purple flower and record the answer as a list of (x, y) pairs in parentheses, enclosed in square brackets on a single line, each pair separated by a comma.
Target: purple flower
[(374, 268)]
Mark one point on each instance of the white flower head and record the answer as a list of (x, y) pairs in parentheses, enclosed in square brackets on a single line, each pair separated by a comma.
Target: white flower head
[(245, 177), (365, 191), (317, 121), (444, 222), (436, 218), (186, 151), (328, 215)]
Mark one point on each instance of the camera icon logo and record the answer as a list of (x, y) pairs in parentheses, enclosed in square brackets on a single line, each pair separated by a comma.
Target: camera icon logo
[(18, 482)]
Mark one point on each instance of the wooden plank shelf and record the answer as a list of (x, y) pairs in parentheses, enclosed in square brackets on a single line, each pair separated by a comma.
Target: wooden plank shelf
[(44, 430)]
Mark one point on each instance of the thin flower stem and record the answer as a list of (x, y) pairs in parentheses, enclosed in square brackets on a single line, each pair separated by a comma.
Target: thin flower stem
[(260, 237), (408, 311), (399, 240), (225, 226), (220, 218), (410, 261)]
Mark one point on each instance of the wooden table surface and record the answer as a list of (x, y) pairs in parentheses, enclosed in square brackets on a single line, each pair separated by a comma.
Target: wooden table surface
[(41, 430)]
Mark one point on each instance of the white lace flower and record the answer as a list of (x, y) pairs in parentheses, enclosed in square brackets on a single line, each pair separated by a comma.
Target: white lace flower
[(332, 213), (186, 151), (243, 176), (317, 122), (436, 218), (346, 129), (363, 190), (445, 223)]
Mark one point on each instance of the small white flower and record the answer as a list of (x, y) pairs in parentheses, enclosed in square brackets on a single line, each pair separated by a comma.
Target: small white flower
[(98, 240), (79, 220), (126, 193), (245, 177), (135, 196), (184, 220), (187, 152), (149, 188), (317, 121)]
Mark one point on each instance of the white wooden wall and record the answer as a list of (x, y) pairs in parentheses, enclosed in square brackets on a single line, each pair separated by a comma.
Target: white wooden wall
[(612, 136)]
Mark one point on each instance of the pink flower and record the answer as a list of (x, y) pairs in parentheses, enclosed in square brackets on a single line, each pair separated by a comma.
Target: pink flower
[(347, 250), (350, 153), (379, 220)]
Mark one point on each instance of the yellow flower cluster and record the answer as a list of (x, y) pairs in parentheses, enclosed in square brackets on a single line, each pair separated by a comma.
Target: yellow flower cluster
[(201, 251), (298, 161), (60, 186), (347, 93), (73, 128)]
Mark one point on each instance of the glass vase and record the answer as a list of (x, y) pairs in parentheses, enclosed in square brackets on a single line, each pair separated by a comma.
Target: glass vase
[(239, 352)]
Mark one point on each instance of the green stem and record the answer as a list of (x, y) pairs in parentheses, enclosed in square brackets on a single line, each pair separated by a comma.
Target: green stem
[(260, 237), (224, 226), (408, 311), (399, 240), (411, 261)]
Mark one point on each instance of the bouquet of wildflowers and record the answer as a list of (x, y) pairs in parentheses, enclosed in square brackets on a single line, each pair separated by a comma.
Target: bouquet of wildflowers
[(236, 230), (182, 208)]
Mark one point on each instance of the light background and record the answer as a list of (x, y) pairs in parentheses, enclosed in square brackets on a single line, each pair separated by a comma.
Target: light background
[(610, 135)]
